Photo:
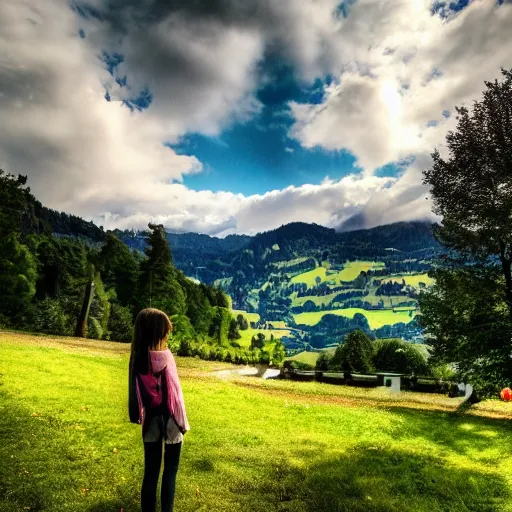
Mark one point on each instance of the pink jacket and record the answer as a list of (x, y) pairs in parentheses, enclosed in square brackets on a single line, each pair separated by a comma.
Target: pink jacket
[(160, 361)]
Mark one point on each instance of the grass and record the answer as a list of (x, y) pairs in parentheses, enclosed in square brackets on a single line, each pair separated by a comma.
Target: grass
[(247, 334), (66, 443), (352, 269), (309, 277), (376, 318), (251, 317), (305, 357), (410, 279)]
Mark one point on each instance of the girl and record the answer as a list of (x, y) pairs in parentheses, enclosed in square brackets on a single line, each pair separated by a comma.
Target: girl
[(155, 401)]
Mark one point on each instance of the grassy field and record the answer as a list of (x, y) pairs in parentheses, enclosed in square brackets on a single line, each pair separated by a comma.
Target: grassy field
[(66, 443), (309, 278), (352, 269), (411, 279), (247, 334), (251, 317), (376, 318), (305, 357)]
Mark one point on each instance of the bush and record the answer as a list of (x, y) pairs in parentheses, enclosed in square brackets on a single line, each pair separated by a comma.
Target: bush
[(94, 329), (354, 355), (323, 362), (120, 324), (394, 355), (49, 317)]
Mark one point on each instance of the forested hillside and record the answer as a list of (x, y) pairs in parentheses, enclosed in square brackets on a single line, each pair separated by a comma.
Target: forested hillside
[(63, 275), (310, 285)]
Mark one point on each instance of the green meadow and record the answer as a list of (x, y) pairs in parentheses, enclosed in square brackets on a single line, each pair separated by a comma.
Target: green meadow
[(376, 318), (66, 443)]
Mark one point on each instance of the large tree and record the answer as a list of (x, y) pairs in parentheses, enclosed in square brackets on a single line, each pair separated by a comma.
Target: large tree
[(472, 187), (159, 284), (468, 313)]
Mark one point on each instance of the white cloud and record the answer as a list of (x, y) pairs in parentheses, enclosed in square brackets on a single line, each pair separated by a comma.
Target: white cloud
[(97, 159), (330, 203)]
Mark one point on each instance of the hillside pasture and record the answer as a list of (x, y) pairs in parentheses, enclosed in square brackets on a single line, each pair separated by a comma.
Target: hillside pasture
[(247, 335), (305, 357), (254, 445), (376, 318), (309, 277), (351, 269), (410, 279), (251, 317)]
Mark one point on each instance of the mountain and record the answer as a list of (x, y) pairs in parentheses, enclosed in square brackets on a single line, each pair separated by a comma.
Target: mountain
[(309, 284), (317, 284)]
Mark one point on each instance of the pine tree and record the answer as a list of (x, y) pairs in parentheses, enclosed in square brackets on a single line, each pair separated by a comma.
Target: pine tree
[(159, 281)]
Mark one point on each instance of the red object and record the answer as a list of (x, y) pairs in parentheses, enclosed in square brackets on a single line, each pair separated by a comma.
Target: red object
[(506, 394)]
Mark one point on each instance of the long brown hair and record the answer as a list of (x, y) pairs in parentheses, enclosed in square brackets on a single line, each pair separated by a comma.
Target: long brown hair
[(151, 326)]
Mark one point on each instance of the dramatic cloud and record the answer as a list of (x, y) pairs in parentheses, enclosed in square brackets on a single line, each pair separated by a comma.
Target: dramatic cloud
[(80, 151), (222, 213), (404, 68), (199, 64)]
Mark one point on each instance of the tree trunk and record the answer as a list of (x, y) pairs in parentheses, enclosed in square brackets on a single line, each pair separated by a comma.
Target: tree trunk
[(81, 324)]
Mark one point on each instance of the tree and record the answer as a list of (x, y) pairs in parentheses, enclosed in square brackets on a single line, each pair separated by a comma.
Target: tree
[(119, 269), (395, 355), (158, 282), (355, 354), (18, 274), (472, 188), (323, 362), (466, 318), (468, 313), (258, 340), (13, 202)]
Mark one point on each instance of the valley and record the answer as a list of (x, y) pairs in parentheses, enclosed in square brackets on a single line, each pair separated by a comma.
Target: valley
[(308, 285)]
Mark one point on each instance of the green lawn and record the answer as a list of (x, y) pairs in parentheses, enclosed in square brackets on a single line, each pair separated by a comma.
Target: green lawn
[(411, 279), (247, 334), (66, 443), (251, 317), (376, 318), (305, 357), (352, 269)]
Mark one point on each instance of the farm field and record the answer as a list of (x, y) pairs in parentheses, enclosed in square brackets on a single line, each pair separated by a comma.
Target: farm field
[(251, 317), (254, 445), (376, 318), (410, 279), (247, 334), (351, 269)]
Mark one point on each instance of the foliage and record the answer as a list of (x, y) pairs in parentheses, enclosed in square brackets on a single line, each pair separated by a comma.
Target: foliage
[(158, 282), (394, 355), (119, 268), (466, 317), (49, 316), (323, 362), (355, 354), (120, 323), (469, 311), (18, 273)]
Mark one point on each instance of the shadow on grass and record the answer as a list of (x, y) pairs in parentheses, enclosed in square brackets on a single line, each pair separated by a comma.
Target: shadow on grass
[(43, 468), (371, 479), (459, 433)]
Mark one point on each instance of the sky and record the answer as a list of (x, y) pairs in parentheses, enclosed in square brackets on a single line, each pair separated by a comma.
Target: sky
[(239, 116)]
